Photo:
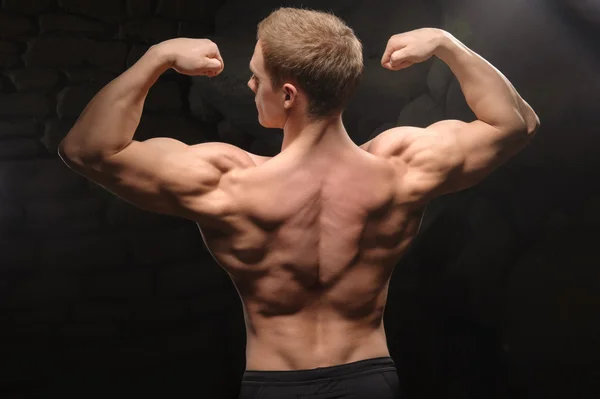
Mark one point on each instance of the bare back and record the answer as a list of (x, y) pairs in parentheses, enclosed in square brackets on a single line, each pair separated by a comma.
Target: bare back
[(311, 255), (310, 242)]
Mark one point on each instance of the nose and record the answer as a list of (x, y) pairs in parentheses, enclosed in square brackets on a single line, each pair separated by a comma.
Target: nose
[(250, 85)]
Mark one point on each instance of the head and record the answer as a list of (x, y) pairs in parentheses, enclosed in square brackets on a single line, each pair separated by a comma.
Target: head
[(305, 63)]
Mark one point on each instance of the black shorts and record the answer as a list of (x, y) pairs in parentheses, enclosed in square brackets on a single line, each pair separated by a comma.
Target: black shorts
[(368, 379)]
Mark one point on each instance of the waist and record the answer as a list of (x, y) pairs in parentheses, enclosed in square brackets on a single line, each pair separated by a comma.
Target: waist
[(267, 351), (361, 367)]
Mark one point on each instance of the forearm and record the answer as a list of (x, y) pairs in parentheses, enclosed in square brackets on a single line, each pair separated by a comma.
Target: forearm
[(488, 92), (109, 121)]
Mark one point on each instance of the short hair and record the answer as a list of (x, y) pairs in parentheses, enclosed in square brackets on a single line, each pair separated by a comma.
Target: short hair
[(316, 49)]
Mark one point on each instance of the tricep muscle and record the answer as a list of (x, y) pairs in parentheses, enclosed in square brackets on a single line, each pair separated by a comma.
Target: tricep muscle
[(447, 156), (166, 176)]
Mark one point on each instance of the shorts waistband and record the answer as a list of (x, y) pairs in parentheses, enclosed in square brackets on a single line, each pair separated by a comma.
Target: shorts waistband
[(342, 370)]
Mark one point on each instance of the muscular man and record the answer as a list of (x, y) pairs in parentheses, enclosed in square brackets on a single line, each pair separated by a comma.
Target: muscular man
[(310, 237)]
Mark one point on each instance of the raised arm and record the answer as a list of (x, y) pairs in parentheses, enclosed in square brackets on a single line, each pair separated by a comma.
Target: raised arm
[(452, 155), (161, 174)]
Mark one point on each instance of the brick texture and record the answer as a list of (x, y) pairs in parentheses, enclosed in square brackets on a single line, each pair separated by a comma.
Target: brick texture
[(86, 278), (96, 293)]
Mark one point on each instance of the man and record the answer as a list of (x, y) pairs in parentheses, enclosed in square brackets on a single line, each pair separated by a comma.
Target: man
[(310, 237)]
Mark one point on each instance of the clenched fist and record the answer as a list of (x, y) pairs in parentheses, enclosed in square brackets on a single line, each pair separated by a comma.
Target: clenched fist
[(405, 49), (193, 57)]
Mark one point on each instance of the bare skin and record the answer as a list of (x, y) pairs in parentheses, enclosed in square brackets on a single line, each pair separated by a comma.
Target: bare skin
[(311, 236), (311, 255)]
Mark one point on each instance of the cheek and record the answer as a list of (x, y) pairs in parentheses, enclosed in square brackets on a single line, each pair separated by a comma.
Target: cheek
[(258, 94), (258, 100), (263, 100)]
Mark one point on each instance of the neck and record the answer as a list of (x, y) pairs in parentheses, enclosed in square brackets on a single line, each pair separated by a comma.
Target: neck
[(306, 136)]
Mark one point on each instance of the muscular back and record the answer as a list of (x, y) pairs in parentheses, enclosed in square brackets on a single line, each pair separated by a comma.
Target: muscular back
[(311, 253)]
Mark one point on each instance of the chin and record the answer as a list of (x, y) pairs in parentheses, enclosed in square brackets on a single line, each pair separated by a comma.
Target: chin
[(269, 123), (265, 123), (261, 121)]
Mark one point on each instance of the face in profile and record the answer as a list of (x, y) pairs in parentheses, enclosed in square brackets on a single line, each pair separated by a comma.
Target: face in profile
[(270, 102)]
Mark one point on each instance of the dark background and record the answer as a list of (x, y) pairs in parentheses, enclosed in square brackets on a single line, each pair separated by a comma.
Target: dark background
[(498, 298)]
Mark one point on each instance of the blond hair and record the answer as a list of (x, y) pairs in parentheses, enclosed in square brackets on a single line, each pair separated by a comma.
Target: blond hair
[(317, 50)]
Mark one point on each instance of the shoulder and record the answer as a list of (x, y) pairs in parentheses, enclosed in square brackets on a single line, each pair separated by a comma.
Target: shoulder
[(227, 166), (396, 141), (226, 157), (423, 158), (222, 155), (411, 143)]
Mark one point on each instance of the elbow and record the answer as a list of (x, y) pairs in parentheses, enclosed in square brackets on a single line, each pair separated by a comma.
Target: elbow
[(530, 119), (529, 129), (70, 155), (522, 132), (63, 151), (533, 124), (526, 126), (76, 155)]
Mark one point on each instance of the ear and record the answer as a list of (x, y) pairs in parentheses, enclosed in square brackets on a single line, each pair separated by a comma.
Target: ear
[(289, 95)]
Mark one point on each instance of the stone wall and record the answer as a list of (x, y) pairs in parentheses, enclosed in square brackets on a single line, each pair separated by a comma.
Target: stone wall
[(99, 298), (91, 286)]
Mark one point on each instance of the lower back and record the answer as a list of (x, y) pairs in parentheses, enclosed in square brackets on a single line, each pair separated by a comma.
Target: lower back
[(310, 339)]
